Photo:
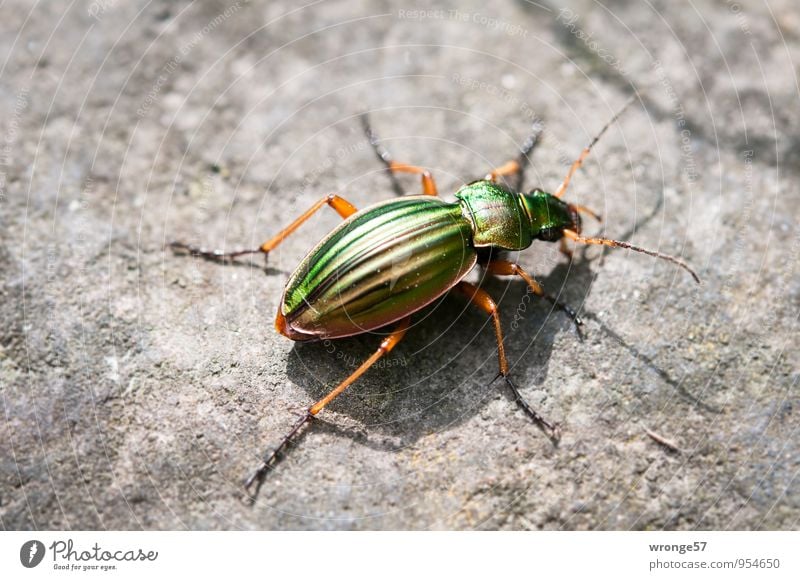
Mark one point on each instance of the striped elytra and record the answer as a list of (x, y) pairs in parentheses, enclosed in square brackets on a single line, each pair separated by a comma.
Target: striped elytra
[(378, 266)]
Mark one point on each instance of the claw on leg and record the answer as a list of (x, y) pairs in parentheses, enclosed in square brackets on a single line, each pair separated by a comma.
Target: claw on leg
[(482, 300), (273, 455), (552, 430), (213, 255)]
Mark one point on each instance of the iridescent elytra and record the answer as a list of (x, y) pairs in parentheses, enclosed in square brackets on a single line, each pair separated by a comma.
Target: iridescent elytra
[(386, 262)]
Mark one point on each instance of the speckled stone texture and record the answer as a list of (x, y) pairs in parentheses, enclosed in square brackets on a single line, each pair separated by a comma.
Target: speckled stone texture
[(139, 388)]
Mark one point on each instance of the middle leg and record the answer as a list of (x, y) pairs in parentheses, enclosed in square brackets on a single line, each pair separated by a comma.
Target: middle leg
[(482, 300), (428, 183), (516, 166)]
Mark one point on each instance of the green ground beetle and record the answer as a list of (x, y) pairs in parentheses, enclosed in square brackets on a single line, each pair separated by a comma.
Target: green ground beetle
[(387, 261)]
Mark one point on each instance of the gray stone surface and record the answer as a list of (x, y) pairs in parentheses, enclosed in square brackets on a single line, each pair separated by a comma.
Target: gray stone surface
[(139, 388)]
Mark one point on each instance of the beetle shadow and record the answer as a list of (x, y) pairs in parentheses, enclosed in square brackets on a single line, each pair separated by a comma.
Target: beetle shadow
[(632, 349)]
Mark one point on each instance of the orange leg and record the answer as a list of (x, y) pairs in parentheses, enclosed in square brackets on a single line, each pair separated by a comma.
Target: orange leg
[(589, 212), (517, 166), (575, 166), (343, 207), (387, 344), (508, 168), (506, 268), (482, 300), (585, 153), (428, 184), (564, 248)]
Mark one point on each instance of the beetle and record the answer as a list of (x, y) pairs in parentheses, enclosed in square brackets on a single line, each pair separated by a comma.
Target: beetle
[(386, 262)]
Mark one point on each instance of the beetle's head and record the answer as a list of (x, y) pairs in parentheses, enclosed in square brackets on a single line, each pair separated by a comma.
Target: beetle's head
[(550, 216), (552, 219)]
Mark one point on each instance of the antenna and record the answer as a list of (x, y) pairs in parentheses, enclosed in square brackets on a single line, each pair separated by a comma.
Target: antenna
[(579, 161), (617, 244)]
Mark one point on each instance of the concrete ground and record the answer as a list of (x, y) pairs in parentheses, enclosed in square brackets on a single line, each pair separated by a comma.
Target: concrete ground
[(139, 387)]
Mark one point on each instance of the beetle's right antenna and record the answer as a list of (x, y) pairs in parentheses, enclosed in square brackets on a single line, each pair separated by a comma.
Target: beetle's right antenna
[(578, 162), (575, 237)]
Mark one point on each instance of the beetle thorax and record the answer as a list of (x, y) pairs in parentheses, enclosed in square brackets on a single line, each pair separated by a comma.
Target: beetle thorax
[(497, 215)]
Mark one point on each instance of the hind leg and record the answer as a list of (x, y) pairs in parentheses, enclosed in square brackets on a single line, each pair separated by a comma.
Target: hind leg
[(387, 344)]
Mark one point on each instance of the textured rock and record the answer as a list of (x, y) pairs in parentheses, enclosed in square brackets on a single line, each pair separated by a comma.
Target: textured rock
[(139, 388)]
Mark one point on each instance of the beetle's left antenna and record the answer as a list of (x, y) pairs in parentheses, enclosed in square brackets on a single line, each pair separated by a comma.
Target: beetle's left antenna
[(585, 153)]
